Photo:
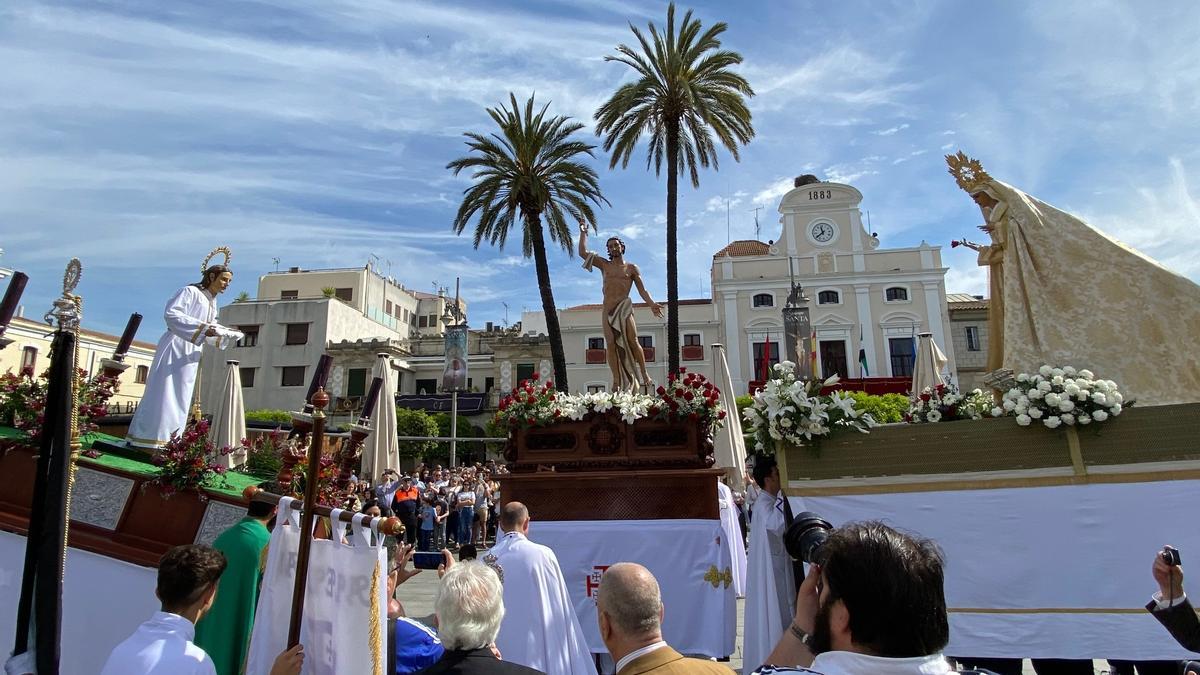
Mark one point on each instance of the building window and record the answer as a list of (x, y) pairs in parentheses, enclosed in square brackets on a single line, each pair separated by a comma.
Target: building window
[(646, 341), (691, 340), (489, 383), (356, 382), (387, 307), (426, 386), (833, 358), (766, 355), (247, 375), (345, 294), (595, 343), (421, 322), (431, 320), (972, 338), (250, 336), (764, 300), (524, 372), (828, 298), (289, 295), (896, 294), (903, 353), (297, 334), (139, 376), (595, 388), (291, 376), (28, 359)]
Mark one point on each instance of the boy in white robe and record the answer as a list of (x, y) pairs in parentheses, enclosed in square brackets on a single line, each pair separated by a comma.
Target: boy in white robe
[(770, 579), (540, 629), (190, 316), (187, 586)]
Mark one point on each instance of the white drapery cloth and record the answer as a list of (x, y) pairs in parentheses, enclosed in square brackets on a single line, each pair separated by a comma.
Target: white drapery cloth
[(344, 629), (733, 534), (381, 449), (927, 371), (1015, 555), (172, 377), (163, 644), (770, 584), (730, 444), (228, 428), (685, 556), (540, 628)]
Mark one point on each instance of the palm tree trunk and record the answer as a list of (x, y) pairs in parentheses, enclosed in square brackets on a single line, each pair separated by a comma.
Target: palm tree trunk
[(533, 222), (672, 247)]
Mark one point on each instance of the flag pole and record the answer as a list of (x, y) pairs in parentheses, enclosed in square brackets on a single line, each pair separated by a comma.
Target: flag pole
[(319, 400)]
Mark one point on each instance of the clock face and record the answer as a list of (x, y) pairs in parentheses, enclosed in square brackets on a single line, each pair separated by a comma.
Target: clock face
[(822, 232)]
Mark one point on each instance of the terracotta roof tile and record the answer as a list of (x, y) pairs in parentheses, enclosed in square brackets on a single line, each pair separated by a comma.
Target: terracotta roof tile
[(743, 247)]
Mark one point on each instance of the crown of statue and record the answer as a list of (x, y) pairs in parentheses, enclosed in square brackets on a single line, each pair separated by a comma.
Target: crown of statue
[(213, 253), (967, 172)]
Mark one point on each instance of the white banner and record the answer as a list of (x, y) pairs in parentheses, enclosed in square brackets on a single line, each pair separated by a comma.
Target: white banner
[(690, 559), (1046, 572), (347, 587)]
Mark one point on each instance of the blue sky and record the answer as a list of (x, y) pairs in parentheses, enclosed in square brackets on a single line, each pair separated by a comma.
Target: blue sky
[(139, 134)]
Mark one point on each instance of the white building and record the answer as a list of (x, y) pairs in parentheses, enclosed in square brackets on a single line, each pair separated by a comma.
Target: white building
[(861, 295)]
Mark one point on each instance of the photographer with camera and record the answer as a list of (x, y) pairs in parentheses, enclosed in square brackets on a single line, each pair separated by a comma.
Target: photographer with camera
[(873, 602), (1170, 605)]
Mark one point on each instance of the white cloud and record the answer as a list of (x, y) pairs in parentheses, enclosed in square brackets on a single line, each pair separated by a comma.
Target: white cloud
[(891, 130), (771, 193)]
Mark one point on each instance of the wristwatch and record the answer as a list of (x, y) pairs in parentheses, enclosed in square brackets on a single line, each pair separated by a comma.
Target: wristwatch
[(801, 634)]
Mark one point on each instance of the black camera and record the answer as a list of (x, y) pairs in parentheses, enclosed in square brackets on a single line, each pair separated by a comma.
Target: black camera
[(806, 534), (1170, 555)]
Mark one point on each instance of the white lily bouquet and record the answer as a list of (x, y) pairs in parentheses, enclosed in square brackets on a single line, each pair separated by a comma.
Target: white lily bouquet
[(793, 410), (1058, 396), (945, 403)]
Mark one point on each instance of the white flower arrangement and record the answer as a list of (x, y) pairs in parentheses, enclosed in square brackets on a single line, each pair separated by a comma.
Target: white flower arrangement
[(792, 410), (944, 403), (1061, 396)]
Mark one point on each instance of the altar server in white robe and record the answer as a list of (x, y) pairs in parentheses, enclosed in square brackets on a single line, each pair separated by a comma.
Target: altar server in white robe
[(733, 534), (190, 316), (540, 629), (186, 587), (770, 580)]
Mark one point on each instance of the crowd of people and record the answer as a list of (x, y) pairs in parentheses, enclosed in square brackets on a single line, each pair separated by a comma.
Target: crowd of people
[(440, 507)]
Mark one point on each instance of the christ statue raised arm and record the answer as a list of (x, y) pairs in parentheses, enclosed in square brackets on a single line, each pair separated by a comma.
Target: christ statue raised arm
[(625, 357)]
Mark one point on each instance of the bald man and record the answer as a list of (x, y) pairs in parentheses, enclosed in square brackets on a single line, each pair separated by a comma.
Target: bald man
[(540, 629), (630, 612)]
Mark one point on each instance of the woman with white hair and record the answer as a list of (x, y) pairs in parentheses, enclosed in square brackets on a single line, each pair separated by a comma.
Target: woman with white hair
[(469, 607)]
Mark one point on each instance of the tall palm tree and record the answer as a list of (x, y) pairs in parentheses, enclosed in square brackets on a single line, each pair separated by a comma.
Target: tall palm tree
[(530, 172), (683, 96)]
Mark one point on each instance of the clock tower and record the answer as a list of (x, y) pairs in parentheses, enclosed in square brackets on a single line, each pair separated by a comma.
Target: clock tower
[(822, 217)]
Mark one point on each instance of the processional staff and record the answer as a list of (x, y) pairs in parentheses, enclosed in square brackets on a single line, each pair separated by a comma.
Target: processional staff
[(310, 509), (39, 607)]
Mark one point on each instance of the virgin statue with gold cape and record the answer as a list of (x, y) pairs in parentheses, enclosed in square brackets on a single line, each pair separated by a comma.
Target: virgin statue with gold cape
[(1063, 293)]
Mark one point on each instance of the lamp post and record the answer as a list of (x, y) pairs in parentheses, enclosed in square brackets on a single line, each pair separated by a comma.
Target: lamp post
[(797, 327), (455, 373)]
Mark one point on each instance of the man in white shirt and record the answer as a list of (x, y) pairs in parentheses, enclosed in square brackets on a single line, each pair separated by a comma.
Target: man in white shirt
[(187, 585), (874, 604), (540, 629)]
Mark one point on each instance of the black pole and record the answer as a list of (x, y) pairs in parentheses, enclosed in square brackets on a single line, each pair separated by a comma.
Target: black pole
[(40, 605)]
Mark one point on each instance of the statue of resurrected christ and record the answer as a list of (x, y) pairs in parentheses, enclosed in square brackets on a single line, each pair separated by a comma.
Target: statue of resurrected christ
[(625, 357)]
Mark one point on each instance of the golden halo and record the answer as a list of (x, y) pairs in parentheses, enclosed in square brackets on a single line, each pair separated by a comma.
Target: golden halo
[(967, 172), (220, 249)]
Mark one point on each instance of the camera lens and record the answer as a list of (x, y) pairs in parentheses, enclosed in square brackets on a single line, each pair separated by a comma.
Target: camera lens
[(805, 536)]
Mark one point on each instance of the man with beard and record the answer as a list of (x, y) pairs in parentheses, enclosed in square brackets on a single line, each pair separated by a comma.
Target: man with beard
[(874, 604)]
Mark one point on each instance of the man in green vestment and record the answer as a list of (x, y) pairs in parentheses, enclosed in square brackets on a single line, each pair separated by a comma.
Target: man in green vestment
[(224, 633)]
